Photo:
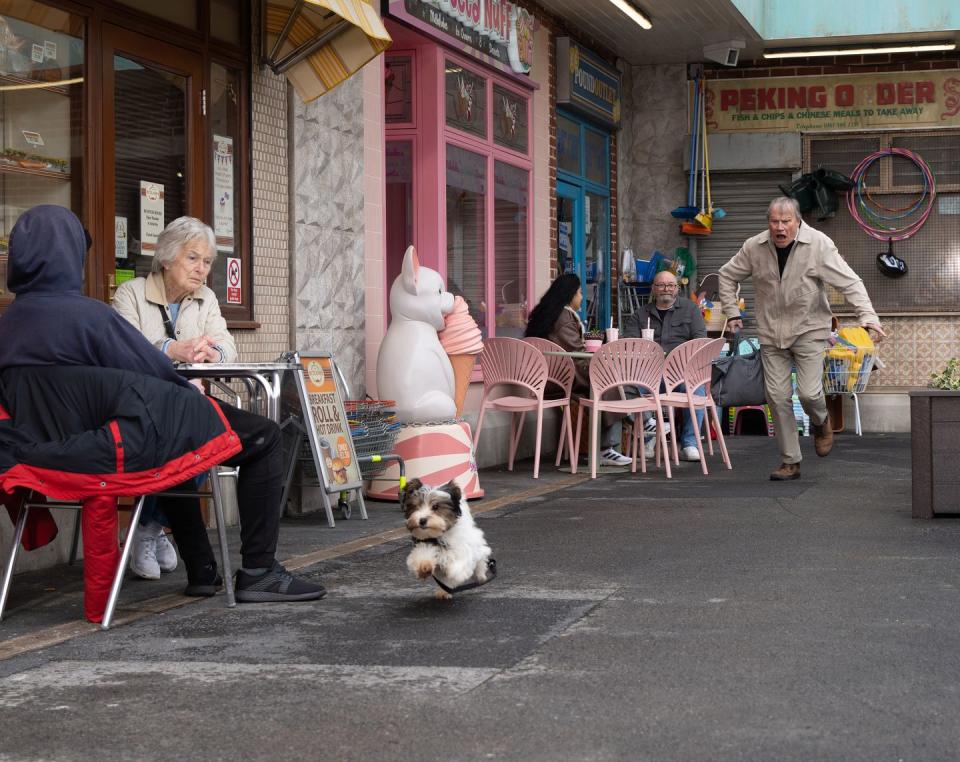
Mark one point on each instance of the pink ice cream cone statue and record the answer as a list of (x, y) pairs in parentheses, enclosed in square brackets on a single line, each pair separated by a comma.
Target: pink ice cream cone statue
[(462, 341)]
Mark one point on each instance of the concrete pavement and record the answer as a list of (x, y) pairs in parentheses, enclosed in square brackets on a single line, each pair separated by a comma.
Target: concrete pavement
[(717, 617)]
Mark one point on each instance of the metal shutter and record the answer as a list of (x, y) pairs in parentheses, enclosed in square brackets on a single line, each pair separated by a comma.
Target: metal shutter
[(745, 197)]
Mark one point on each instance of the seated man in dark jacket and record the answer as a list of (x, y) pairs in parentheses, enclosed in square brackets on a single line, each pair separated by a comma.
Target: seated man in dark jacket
[(673, 321), (51, 323)]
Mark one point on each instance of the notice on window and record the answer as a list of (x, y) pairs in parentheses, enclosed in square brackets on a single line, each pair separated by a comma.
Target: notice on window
[(151, 216), (233, 281), (223, 192), (120, 237)]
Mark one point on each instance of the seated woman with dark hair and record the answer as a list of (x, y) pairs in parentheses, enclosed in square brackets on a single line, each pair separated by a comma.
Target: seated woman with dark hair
[(556, 318)]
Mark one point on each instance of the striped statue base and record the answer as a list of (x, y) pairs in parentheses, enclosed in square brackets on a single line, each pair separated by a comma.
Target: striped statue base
[(434, 454)]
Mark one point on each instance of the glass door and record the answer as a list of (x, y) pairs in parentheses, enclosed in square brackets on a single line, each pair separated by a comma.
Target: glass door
[(570, 238), (596, 257), (152, 138)]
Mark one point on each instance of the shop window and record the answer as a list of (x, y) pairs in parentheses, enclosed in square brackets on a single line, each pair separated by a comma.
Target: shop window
[(41, 108), (150, 159), (398, 90), (595, 153), (231, 274), (181, 12), (568, 145), (399, 203), (465, 98), (466, 230), (511, 198), (510, 119)]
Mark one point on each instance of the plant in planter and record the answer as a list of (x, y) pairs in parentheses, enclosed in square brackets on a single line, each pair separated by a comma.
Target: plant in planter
[(949, 378), (934, 442), (592, 340)]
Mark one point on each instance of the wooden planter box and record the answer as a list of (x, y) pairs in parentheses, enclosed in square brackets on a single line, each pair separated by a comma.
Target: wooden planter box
[(935, 452)]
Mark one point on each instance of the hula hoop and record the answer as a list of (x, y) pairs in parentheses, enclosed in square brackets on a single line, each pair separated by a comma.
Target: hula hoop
[(875, 224)]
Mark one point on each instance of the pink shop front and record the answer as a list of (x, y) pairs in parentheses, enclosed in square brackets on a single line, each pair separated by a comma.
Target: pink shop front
[(459, 164)]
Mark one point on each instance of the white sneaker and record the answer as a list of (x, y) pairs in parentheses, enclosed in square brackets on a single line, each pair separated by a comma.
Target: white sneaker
[(650, 426), (143, 558), (611, 457), (690, 453), (650, 447), (166, 553)]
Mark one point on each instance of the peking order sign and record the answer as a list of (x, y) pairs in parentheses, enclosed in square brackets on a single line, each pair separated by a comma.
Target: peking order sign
[(834, 102)]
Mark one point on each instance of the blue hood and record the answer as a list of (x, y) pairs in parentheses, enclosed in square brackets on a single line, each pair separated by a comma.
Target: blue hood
[(51, 322), (48, 247)]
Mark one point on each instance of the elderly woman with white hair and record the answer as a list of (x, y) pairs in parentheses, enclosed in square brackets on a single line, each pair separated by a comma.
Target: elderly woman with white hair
[(180, 316)]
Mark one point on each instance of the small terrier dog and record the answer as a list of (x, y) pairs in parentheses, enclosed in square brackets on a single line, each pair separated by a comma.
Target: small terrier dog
[(446, 541)]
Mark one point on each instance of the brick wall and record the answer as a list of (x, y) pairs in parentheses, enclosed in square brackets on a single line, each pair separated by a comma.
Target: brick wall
[(805, 67)]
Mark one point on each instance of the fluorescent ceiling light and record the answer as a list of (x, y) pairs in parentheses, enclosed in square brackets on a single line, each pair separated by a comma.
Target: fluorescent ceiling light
[(861, 51), (633, 13)]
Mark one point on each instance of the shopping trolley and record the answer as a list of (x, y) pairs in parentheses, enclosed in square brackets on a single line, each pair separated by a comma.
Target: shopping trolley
[(373, 428)]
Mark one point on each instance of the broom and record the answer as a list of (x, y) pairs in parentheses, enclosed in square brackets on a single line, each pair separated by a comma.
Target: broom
[(689, 211)]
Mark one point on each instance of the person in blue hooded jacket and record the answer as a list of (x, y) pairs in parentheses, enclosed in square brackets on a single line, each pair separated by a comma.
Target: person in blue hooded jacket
[(51, 323)]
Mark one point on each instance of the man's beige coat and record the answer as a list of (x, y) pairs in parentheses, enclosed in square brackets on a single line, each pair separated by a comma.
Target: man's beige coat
[(795, 306)]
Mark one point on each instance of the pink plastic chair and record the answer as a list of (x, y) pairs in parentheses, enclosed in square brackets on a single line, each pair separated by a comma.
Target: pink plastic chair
[(561, 372), (514, 363), (628, 362), (694, 371), (673, 370)]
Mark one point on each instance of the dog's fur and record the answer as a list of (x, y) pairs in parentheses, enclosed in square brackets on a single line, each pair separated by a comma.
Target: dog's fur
[(441, 514)]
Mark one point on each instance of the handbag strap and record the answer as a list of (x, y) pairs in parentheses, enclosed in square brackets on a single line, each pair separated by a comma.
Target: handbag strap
[(168, 326)]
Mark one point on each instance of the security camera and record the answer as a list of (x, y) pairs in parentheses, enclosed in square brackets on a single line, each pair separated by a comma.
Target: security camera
[(726, 53)]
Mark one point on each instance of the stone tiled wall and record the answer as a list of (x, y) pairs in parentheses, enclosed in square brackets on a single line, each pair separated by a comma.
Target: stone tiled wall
[(327, 306), (650, 167), (914, 348)]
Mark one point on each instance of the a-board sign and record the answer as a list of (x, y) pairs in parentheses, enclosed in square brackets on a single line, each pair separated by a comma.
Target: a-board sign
[(321, 404)]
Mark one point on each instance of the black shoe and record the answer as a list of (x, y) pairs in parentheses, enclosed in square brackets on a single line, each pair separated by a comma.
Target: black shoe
[(276, 585), (204, 582)]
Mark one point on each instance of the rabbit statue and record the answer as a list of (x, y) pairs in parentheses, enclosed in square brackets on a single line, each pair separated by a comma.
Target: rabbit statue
[(412, 367)]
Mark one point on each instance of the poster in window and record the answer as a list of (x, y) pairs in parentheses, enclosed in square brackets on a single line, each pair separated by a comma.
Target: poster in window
[(509, 119), (233, 281), (151, 216), (223, 192), (465, 95)]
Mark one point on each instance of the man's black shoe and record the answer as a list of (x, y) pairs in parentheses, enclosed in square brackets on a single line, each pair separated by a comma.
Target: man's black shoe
[(204, 582), (277, 584)]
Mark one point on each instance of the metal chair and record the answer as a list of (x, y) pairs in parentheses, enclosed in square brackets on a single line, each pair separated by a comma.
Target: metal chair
[(33, 502)]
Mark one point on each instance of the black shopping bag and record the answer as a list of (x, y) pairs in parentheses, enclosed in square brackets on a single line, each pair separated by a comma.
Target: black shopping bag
[(737, 381)]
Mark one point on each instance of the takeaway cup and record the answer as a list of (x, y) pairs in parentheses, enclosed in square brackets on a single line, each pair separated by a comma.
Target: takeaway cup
[(612, 334), (646, 333)]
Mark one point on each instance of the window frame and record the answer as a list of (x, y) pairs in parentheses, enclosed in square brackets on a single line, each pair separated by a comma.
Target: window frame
[(493, 152)]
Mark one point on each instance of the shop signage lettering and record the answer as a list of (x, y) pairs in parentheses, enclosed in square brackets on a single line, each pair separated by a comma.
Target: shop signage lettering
[(498, 29), (834, 102), (590, 85)]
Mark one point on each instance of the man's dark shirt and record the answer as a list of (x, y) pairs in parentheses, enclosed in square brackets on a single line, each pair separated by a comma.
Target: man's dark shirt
[(678, 324)]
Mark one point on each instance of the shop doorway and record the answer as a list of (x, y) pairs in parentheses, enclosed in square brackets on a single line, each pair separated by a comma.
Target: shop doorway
[(151, 116), (583, 213)]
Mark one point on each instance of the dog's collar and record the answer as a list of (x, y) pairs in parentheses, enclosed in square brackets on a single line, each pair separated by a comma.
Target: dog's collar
[(428, 541)]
